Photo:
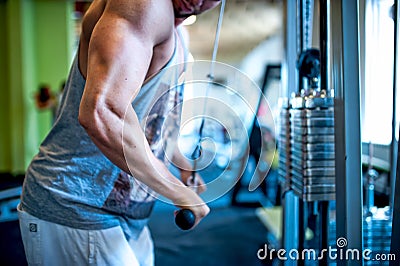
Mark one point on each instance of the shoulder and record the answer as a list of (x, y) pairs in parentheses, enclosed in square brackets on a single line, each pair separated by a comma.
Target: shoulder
[(151, 18)]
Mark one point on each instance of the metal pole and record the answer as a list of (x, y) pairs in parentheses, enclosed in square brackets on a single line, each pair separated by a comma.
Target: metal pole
[(300, 26), (290, 201), (324, 228), (324, 205), (300, 48), (345, 68), (301, 230), (395, 180), (395, 243), (393, 146), (323, 36), (290, 41)]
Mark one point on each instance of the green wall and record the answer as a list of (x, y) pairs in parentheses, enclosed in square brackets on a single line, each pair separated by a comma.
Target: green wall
[(5, 95), (37, 49)]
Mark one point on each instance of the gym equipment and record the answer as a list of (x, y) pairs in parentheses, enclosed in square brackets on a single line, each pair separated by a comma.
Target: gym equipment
[(185, 218), (9, 200), (377, 230), (284, 144), (312, 149), (307, 142), (307, 133), (371, 176), (309, 67), (395, 170)]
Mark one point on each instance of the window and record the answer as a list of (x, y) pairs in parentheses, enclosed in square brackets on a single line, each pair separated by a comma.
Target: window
[(379, 60)]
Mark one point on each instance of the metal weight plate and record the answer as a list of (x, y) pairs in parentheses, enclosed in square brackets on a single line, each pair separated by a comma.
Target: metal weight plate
[(309, 181), (313, 122), (307, 113), (319, 102), (311, 156), (313, 147), (311, 102), (319, 197), (311, 172), (319, 180), (314, 138), (319, 189), (312, 164), (314, 188), (313, 130)]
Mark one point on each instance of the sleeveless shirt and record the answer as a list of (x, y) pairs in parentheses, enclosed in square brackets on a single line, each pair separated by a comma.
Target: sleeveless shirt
[(71, 182)]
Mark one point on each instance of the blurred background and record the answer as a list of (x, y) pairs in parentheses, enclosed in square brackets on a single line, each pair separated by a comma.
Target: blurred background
[(308, 90)]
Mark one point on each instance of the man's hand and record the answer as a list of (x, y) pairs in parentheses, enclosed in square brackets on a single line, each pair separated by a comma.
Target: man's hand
[(187, 199)]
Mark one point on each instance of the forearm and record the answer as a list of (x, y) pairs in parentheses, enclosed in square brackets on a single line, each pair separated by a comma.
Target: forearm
[(122, 140), (182, 163)]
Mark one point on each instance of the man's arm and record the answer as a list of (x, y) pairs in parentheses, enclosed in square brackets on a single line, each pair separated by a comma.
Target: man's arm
[(188, 176), (120, 52)]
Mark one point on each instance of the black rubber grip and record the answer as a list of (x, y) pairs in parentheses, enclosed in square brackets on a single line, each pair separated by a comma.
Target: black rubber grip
[(185, 219)]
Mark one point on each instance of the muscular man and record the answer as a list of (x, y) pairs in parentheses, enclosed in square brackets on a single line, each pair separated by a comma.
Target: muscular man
[(89, 191)]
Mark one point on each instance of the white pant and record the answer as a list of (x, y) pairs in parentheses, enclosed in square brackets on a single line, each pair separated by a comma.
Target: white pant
[(52, 244)]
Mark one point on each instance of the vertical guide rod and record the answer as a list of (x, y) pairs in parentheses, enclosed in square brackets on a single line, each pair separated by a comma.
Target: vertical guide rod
[(323, 32), (324, 229), (301, 210), (395, 180), (300, 37), (393, 145), (302, 225), (290, 215), (300, 19), (395, 238), (323, 38), (346, 82)]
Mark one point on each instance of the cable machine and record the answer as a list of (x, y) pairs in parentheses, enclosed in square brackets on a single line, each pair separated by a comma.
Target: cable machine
[(320, 168), (307, 148)]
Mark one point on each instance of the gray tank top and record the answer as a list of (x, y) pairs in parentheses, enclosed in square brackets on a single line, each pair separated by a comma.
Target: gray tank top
[(70, 182)]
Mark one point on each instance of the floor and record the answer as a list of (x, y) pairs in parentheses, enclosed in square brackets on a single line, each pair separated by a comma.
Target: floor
[(227, 236)]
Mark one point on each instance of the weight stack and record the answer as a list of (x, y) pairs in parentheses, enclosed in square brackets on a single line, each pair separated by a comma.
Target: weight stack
[(377, 231), (284, 145), (377, 235), (312, 145)]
